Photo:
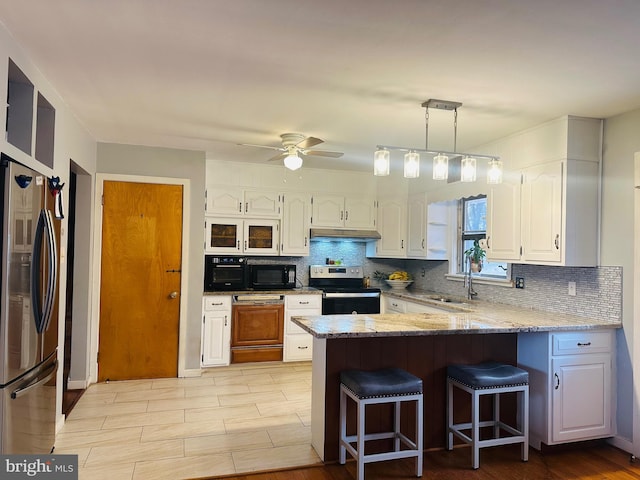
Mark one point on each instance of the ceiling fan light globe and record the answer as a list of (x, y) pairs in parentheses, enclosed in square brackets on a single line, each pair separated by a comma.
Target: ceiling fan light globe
[(292, 162)]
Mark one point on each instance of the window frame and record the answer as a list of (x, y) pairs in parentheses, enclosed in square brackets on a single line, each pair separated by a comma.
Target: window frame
[(457, 272)]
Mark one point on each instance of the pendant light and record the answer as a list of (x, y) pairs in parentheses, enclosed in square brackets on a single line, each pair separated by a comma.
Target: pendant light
[(494, 174), (381, 162), (412, 164), (440, 167), (468, 170)]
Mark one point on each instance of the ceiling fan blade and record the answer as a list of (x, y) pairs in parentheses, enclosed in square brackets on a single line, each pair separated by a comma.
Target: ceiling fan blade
[(280, 156), (323, 153), (261, 146), (309, 142)]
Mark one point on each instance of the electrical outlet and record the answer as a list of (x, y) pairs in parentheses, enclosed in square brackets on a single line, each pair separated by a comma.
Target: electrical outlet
[(519, 282), (422, 272), (572, 289)]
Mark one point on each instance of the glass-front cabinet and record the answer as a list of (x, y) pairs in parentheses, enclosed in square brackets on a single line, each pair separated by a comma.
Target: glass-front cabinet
[(235, 236)]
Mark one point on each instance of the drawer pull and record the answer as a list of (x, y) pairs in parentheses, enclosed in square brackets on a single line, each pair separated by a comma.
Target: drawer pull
[(557, 381), (214, 303), (302, 348), (303, 303), (584, 344)]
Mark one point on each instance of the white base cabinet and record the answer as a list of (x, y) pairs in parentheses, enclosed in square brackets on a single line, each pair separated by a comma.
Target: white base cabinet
[(297, 342), (570, 385), (216, 330)]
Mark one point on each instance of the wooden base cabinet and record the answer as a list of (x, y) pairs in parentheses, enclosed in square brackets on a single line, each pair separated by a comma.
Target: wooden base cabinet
[(257, 333), (571, 387), (216, 330)]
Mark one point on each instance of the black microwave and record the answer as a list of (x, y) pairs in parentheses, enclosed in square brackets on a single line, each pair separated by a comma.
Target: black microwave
[(225, 273), (272, 277)]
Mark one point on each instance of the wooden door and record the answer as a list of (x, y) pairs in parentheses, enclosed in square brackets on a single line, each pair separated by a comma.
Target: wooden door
[(140, 284)]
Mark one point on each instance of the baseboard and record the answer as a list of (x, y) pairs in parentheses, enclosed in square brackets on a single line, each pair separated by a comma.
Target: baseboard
[(77, 384), (190, 372), (622, 443), (60, 419)]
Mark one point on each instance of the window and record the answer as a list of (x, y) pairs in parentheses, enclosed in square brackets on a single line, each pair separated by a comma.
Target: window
[(472, 221)]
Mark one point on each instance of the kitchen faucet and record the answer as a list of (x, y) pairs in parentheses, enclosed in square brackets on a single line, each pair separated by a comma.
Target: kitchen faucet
[(468, 283)]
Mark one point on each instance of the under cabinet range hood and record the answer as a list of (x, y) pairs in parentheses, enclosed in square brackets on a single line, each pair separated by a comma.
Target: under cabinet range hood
[(344, 234)]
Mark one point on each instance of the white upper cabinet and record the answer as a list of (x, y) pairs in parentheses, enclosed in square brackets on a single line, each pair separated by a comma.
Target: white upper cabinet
[(392, 225), (546, 213), (503, 219), (542, 208), (233, 236), (296, 218), (417, 226), (343, 212), (236, 201)]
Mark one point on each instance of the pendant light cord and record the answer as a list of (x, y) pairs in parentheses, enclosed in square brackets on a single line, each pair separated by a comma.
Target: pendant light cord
[(455, 129), (426, 129)]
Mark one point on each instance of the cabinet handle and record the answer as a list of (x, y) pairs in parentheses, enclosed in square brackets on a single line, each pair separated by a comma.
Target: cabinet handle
[(423, 243), (402, 243), (302, 348), (488, 245), (341, 215), (303, 303), (225, 320), (246, 207), (346, 215), (305, 241), (238, 245), (557, 241), (584, 344), (214, 303), (245, 244), (557, 381), (240, 207)]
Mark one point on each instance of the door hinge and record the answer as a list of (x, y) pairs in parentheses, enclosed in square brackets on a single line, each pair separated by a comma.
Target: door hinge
[(102, 200), (520, 250), (98, 357)]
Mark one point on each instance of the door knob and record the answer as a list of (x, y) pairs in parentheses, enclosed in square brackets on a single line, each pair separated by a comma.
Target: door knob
[(173, 295)]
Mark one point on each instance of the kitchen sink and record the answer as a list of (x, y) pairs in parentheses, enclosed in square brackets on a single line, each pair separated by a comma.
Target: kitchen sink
[(442, 299)]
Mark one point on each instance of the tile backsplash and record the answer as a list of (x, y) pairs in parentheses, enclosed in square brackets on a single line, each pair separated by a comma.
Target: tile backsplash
[(598, 289)]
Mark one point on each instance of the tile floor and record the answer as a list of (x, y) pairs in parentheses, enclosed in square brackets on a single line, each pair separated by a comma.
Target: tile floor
[(235, 419)]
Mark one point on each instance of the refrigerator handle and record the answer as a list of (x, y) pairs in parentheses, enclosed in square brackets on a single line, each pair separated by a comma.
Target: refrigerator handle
[(38, 380), (36, 259), (52, 271), (43, 307)]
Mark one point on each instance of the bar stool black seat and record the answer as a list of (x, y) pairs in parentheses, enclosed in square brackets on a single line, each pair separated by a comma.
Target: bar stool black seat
[(390, 385), (490, 378)]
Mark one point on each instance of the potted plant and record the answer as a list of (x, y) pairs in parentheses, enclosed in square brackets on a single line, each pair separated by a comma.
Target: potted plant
[(475, 254)]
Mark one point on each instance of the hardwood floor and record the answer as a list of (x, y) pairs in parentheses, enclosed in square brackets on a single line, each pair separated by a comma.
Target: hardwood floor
[(595, 462)]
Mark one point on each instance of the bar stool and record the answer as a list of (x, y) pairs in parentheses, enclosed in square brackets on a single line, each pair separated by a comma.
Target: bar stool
[(489, 378), (391, 385)]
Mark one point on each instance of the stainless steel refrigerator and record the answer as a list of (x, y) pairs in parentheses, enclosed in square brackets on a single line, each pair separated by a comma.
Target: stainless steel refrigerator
[(28, 311)]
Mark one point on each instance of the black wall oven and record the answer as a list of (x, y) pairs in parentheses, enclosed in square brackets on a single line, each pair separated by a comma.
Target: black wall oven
[(225, 273)]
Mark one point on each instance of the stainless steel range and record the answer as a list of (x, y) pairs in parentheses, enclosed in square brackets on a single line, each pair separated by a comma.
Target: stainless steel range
[(343, 290)]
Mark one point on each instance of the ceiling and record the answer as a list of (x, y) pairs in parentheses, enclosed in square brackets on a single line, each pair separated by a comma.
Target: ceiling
[(209, 74)]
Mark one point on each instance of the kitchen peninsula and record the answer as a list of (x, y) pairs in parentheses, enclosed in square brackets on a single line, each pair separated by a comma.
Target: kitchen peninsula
[(425, 343)]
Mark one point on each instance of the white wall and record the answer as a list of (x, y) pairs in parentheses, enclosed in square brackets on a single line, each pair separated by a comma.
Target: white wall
[(71, 142), (621, 141), (171, 163)]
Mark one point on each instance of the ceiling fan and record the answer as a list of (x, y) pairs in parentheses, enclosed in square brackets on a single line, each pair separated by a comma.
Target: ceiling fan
[(294, 147)]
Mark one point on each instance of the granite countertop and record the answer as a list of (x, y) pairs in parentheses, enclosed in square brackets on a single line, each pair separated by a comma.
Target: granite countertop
[(290, 291), (460, 317)]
